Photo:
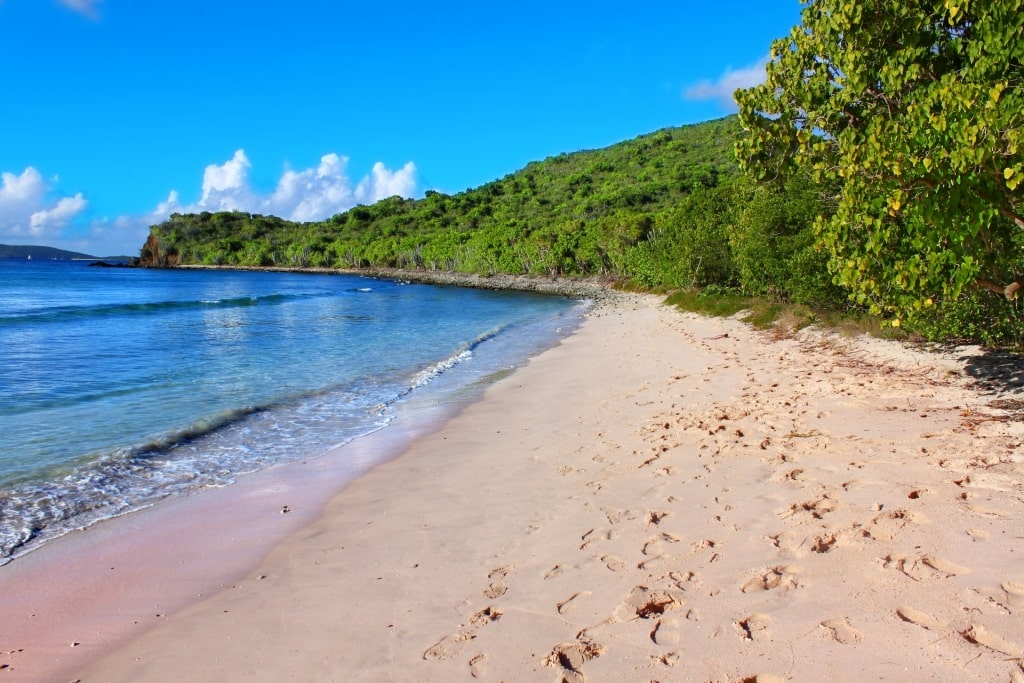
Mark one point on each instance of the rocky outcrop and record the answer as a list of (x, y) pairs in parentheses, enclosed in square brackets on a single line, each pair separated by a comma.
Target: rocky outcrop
[(155, 254)]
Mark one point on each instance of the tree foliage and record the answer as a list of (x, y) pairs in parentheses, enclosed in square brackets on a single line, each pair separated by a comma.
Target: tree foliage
[(656, 209), (913, 110)]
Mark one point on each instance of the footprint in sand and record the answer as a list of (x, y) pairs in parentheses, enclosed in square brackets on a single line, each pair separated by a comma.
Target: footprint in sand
[(686, 579), (788, 475), (987, 511), (671, 658), (816, 508), (652, 563), (569, 605), (1014, 594), (449, 646), (613, 562), (917, 493), (666, 633), (495, 590), (824, 543), (924, 568), (755, 627), (703, 544), (648, 603), (654, 546), (497, 587), (885, 526), (779, 577), (594, 536), (615, 516), (476, 666), (554, 572), (841, 631), (922, 619), (980, 635), (790, 542), (569, 658)]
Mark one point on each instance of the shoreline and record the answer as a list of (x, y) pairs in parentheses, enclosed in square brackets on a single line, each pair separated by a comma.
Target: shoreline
[(208, 449), (90, 590), (659, 495), (597, 289)]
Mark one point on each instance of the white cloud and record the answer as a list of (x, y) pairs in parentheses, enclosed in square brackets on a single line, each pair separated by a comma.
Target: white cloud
[(30, 214), (87, 7), (315, 193), (384, 183), (26, 210), (47, 220), (226, 187), (731, 81), (307, 195)]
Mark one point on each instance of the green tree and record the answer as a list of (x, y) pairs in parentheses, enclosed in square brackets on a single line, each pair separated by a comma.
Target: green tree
[(775, 248), (916, 107)]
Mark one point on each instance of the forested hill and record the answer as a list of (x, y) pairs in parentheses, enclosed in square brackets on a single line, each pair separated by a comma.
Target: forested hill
[(589, 212)]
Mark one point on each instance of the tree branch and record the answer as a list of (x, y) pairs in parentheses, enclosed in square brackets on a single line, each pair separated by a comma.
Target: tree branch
[(1009, 291)]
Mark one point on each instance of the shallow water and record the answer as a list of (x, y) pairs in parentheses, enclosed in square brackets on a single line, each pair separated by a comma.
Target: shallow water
[(122, 386)]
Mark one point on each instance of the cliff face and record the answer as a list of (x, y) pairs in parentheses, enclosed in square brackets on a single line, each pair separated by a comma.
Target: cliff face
[(155, 255)]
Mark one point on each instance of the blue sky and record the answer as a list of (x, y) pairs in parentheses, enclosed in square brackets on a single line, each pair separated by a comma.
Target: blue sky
[(116, 113)]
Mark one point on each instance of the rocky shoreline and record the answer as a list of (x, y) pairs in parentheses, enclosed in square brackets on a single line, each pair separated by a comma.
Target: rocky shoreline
[(595, 288)]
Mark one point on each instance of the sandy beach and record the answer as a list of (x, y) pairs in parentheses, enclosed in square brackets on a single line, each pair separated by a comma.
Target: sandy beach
[(662, 497)]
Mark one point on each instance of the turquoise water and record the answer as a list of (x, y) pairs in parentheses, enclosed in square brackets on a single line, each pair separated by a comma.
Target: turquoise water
[(119, 387)]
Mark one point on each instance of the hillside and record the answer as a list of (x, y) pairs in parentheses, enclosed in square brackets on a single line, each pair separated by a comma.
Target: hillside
[(21, 251), (583, 213)]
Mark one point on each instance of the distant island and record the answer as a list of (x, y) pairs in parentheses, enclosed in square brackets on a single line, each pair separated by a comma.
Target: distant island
[(23, 251)]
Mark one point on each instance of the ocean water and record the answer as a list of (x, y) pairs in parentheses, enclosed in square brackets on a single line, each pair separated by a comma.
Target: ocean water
[(119, 387)]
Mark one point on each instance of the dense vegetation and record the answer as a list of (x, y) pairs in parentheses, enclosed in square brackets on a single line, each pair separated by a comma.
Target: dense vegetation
[(914, 110), (883, 172), (665, 210)]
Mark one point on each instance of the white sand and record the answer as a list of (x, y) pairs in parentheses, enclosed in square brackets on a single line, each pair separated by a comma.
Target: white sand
[(662, 497)]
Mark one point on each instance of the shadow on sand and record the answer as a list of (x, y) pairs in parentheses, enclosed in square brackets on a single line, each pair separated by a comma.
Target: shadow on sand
[(997, 372)]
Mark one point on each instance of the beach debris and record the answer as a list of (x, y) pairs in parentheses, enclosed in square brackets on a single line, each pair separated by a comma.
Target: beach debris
[(655, 516), (285, 510)]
